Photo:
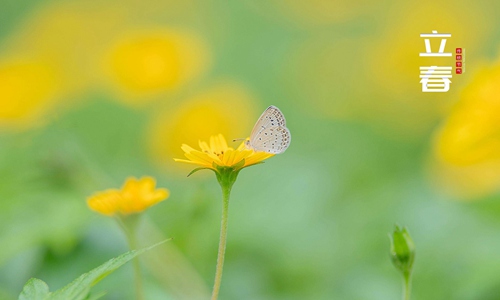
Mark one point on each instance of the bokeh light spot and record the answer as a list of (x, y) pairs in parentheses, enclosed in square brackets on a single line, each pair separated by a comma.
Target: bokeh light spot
[(155, 62), (27, 89)]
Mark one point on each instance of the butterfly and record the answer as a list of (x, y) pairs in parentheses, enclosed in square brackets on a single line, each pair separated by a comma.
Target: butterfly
[(270, 133)]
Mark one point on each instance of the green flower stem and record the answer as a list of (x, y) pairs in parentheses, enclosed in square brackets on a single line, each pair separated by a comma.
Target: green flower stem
[(407, 286), (226, 176), (222, 241), (139, 290), (129, 225)]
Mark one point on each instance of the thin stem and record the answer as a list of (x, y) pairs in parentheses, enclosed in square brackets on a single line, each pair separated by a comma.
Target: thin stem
[(139, 291), (129, 227), (222, 241), (407, 286)]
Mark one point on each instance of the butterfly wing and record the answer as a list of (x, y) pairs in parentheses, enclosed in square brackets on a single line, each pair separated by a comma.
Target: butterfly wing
[(271, 117), (270, 133), (272, 140)]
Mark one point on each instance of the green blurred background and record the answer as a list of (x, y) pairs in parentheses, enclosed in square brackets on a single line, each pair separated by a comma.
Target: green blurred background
[(92, 92)]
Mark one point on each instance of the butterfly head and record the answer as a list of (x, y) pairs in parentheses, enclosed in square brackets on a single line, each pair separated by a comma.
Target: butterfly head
[(247, 144)]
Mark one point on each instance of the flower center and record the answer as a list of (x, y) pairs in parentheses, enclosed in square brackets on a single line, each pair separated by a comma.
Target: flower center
[(219, 154)]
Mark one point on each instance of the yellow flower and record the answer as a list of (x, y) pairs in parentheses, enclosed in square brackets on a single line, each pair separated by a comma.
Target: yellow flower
[(466, 150), (226, 163), (154, 61), (28, 88), (217, 154), (135, 196), (470, 134)]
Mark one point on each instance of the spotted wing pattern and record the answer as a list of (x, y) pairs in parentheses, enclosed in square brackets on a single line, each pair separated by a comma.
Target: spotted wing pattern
[(270, 133)]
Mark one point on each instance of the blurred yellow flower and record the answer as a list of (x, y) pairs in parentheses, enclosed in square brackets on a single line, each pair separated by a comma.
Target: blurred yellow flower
[(95, 43), (467, 146), (27, 89), (226, 108), (217, 153), (135, 196), (70, 35), (471, 133), (149, 62)]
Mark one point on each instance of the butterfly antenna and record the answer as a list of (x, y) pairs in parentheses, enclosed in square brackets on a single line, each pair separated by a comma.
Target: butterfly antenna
[(237, 140)]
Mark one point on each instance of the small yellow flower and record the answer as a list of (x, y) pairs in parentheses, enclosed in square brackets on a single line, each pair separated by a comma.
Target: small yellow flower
[(226, 162), (218, 154), (135, 196)]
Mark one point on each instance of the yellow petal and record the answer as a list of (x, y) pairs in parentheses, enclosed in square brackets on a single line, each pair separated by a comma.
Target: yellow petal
[(203, 146), (106, 203), (217, 151)]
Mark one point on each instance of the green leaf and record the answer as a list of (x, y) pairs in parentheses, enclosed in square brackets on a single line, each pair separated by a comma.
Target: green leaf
[(80, 287), (96, 296), (34, 289), (198, 169)]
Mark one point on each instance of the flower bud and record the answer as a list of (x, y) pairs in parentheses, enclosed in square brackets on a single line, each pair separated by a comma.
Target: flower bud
[(402, 250)]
